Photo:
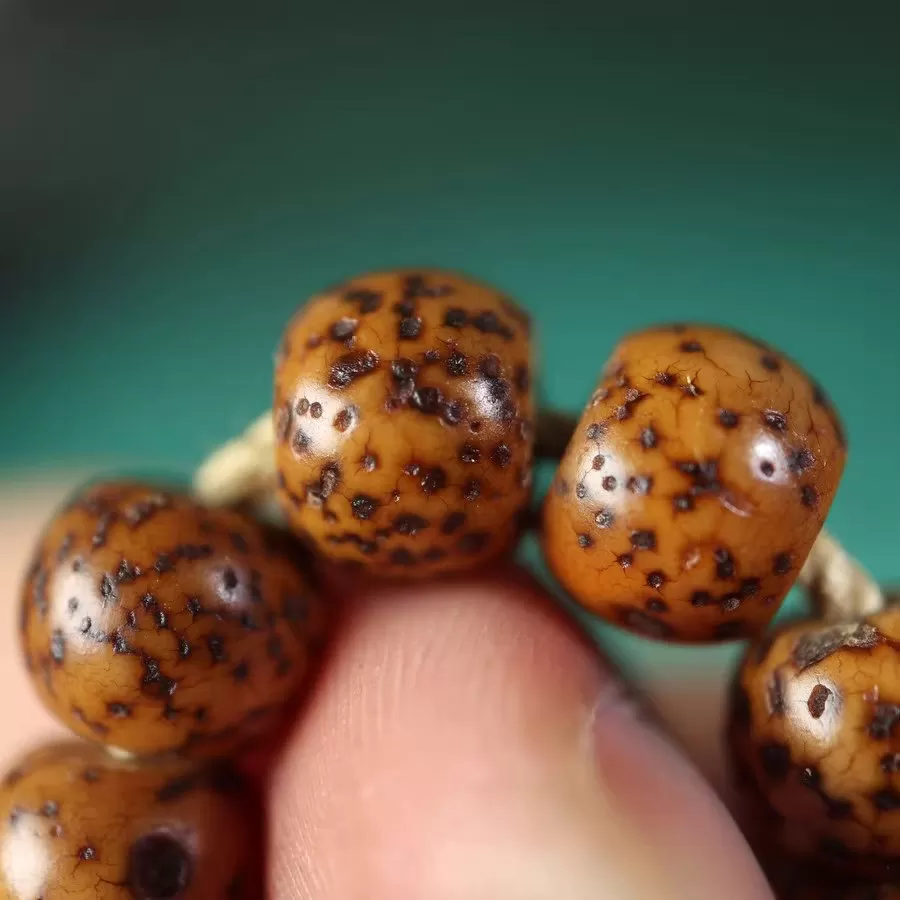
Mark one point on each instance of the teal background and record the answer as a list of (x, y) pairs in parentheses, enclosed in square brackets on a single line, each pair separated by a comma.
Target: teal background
[(174, 181)]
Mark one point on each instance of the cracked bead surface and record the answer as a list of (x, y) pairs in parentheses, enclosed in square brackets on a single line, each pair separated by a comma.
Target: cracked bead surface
[(150, 623), (77, 824), (694, 486), (815, 737), (404, 422)]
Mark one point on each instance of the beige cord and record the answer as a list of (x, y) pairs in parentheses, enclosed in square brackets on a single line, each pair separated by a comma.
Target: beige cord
[(838, 586), (243, 472)]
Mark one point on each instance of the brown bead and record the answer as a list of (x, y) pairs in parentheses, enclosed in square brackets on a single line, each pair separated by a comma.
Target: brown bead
[(699, 475), (77, 823), (815, 736), (150, 623), (404, 422)]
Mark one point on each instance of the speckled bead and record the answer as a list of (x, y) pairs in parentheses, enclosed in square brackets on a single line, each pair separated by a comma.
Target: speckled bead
[(694, 486), (77, 824), (150, 623), (404, 423), (815, 736)]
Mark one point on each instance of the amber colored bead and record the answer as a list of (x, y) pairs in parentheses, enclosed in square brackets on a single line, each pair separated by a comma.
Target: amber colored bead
[(694, 486), (815, 736), (151, 624), (404, 423), (76, 823)]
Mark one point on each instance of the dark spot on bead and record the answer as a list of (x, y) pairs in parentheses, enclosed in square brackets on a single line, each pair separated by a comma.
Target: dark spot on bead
[(410, 327), (193, 605), (367, 301), (343, 329), (886, 800), (402, 557), (404, 307), (456, 364), (216, 646), (809, 497), (770, 362), (119, 710), (184, 648), (643, 539), (86, 623), (581, 490), (315, 410), (683, 502), (469, 453), (347, 368), (108, 590), (164, 563), (643, 623), (159, 867), (639, 484), (240, 671), (160, 619), (800, 460), (767, 468), (451, 412), (701, 598), (724, 563), (455, 317), (728, 419), (774, 420), (665, 379), (585, 541), (403, 369), (363, 506), (453, 522), (487, 322), (775, 694), (609, 483), (731, 602), (412, 469), (595, 431), (432, 356), (426, 400), (410, 524), (649, 438), (501, 456), (344, 420), (781, 564), (884, 721), (818, 698), (775, 760), (120, 645), (473, 542), (654, 604), (690, 347), (370, 462), (656, 580), (472, 490), (597, 462), (87, 854), (749, 588), (605, 518), (810, 778), (433, 480), (58, 647), (91, 776), (415, 286), (890, 763), (489, 366), (691, 389)]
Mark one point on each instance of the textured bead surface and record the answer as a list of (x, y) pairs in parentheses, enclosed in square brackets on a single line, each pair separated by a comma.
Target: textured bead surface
[(77, 824), (404, 422), (696, 482), (815, 736), (150, 623)]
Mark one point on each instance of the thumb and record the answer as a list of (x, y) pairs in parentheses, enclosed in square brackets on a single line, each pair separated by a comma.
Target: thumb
[(466, 743)]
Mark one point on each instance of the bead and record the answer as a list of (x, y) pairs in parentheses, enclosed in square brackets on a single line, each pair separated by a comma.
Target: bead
[(694, 486), (403, 420), (815, 736), (78, 824), (150, 623)]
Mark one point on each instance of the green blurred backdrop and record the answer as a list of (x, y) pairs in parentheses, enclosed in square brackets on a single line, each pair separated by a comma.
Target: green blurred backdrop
[(174, 180)]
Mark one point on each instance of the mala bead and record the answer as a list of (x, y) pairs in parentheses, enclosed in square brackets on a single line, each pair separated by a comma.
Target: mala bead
[(694, 486), (150, 623), (403, 419), (815, 736), (78, 824)]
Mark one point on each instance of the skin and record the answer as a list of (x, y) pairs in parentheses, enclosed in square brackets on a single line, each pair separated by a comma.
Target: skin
[(694, 486), (404, 419), (462, 742), (151, 624), (814, 730), (77, 824)]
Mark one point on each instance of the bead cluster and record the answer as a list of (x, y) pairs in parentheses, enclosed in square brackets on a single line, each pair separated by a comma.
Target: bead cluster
[(402, 443)]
